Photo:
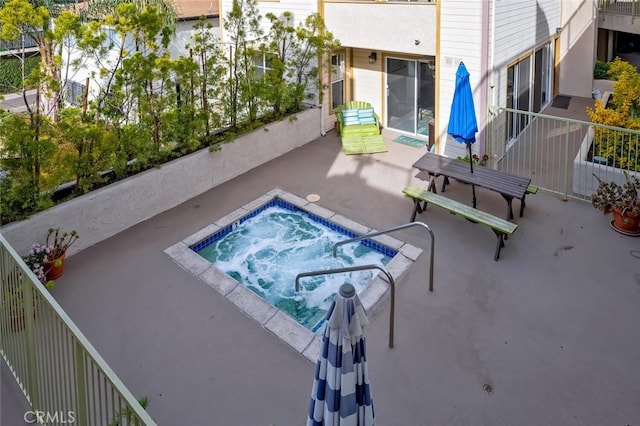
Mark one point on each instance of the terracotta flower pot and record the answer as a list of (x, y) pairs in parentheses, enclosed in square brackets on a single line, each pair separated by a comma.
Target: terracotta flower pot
[(54, 268), (630, 223)]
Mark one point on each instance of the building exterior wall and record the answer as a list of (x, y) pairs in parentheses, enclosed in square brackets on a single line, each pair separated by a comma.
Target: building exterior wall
[(460, 41), (82, 66), (182, 37), (509, 46), (521, 25), (357, 26), (300, 9), (369, 79), (393, 27), (488, 36), (577, 47)]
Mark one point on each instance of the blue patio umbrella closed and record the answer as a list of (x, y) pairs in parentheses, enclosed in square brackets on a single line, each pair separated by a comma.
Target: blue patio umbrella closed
[(463, 125), (341, 393)]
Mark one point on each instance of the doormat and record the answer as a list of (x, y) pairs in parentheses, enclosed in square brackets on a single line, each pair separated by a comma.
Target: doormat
[(416, 143), (561, 101)]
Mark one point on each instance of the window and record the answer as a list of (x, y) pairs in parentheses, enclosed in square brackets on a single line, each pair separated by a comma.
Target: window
[(518, 95), (74, 92), (112, 38), (542, 77), (337, 80), (263, 63), (526, 92)]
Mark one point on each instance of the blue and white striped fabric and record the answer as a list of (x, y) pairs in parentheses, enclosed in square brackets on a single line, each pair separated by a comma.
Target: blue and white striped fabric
[(341, 393)]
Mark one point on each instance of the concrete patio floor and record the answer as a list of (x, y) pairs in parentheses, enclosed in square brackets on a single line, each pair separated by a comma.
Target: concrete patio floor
[(546, 335)]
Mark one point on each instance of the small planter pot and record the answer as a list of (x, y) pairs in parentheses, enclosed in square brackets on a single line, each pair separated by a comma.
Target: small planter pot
[(628, 225), (54, 268)]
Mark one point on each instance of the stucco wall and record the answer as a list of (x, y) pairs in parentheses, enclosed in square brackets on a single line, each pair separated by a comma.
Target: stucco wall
[(578, 46), (392, 27), (112, 209)]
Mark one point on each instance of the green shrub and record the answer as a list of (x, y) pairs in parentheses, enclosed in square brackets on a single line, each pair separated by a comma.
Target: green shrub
[(152, 108), (601, 70), (619, 148), (11, 74)]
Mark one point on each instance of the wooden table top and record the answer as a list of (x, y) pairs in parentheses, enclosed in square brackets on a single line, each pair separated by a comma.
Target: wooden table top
[(506, 184)]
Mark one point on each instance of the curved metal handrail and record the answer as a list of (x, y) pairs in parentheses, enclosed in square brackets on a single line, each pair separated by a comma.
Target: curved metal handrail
[(360, 268), (396, 228)]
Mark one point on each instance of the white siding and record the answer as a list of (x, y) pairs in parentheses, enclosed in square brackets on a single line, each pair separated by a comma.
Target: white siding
[(460, 40), (300, 9), (521, 25), (82, 66), (182, 37), (369, 80)]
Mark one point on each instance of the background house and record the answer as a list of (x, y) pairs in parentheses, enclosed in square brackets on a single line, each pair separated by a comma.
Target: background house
[(401, 56), (189, 13), (516, 53), (86, 68)]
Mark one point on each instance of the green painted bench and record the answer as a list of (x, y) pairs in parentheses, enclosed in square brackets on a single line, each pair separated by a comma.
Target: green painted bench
[(531, 189), (502, 228)]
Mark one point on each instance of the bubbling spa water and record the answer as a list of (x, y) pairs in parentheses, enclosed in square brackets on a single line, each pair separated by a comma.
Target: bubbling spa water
[(268, 250)]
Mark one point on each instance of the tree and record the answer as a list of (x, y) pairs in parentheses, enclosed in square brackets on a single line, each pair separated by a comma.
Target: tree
[(19, 20), (242, 24), (295, 55), (144, 73), (88, 150), (314, 45), (281, 38), (24, 158), (98, 9), (205, 78)]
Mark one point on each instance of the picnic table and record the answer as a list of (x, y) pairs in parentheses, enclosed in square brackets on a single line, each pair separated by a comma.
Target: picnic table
[(509, 186)]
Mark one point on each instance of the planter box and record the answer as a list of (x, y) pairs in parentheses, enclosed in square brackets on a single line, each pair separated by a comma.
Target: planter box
[(107, 211)]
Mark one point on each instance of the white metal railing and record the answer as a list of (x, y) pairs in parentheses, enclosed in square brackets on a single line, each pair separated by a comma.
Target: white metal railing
[(62, 376), (619, 7), (560, 155)]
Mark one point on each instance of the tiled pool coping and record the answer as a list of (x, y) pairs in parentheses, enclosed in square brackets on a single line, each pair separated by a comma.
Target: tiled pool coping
[(277, 322)]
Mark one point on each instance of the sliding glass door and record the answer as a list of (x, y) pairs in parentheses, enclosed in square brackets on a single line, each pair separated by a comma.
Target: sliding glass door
[(527, 92), (410, 95)]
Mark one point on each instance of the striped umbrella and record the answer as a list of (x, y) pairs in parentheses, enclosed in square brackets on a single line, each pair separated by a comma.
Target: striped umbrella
[(341, 393)]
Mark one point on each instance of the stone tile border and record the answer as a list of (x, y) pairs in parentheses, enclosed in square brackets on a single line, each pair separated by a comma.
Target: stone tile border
[(282, 325)]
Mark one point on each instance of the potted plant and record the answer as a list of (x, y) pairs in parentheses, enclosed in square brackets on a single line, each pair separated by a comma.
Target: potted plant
[(39, 260), (622, 200), (47, 260), (476, 160), (58, 245)]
